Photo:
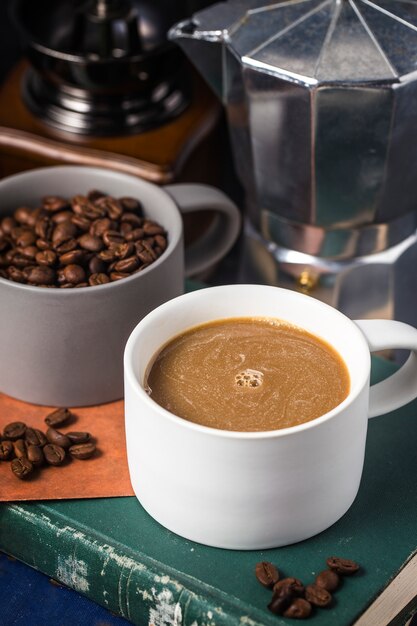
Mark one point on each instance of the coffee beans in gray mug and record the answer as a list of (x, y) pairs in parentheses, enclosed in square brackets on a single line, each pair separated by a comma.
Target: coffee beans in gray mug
[(83, 241)]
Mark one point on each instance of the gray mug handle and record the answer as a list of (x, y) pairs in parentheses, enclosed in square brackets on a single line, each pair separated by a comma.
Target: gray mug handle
[(223, 231)]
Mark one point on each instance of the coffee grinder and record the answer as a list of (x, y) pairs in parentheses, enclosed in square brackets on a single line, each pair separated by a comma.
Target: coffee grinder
[(101, 85), (321, 105)]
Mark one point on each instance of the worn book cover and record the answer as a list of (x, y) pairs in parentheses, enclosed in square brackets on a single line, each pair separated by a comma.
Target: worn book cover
[(112, 551)]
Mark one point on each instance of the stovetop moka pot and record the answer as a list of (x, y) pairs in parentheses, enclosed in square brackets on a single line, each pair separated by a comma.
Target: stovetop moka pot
[(321, 104)]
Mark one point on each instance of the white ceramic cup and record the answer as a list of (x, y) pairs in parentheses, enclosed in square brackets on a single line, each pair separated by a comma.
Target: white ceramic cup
[(64, 347), (257, 490)]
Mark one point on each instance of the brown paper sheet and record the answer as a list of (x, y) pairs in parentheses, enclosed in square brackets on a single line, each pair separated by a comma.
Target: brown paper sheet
[(103, 475)]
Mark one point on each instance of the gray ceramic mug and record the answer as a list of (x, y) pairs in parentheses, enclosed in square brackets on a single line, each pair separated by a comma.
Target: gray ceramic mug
[(64, 347)]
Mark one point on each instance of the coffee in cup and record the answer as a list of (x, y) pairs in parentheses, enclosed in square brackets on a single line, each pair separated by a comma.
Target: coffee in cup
[(248, 374), (257, 490)]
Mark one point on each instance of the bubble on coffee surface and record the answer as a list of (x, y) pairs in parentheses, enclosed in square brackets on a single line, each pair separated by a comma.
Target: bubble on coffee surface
[(249, 378)]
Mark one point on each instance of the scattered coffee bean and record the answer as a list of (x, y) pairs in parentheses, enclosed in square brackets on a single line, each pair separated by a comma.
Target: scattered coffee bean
[(6, 450), (19, 448), (67, 243), (35, 455), (281, 600), (318, 595), (328, 579), (344, 567), (54, 455), (58, 417), (35, 437), (295, 585), (14, 431), (22, 468), (289, 596), (298, 609), (57, 438), (82, 451), (30, 445), (266, 573), (78, 437)]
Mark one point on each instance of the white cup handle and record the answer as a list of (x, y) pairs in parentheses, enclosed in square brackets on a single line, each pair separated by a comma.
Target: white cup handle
[(221, 234), (401, 387)]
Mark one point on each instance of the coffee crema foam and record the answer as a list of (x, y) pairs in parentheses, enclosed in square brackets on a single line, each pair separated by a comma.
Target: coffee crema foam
[(247, 374)]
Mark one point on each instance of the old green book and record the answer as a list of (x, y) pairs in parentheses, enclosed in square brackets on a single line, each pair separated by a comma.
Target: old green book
[(113, 552)]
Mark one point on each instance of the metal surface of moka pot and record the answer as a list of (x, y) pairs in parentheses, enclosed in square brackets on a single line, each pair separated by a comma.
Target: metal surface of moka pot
[(321, 104)]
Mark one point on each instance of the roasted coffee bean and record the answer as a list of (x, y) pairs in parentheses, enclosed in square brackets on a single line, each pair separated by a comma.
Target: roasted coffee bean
[(125, 229), (43, 228), (25, 238), (111, 237), (59, 417), (54, 203), (54, 455), (137, 234), (145, 257), (318, 595), (266, 573), (94, 212), (20, 261), (35, 455), (161, 241), (344, 567), (65, 246), (82, 222), (57, 438), (82, 451), (19, 448), (95, 194), (35, 437), (22, 214), (98, 279), (295, 585), (123, 250), (91, 242), (15, 274), (112, 207), (64, 231), (118, 275), (61, 216), (6, 450), (131, 204), (43, 244), (298, 609), (46, 257), (127, 265), (96, 265), (74, 274), (281, 600), (151, 228), (133, 219), (22, 468), (108, 255), (78, 437), (100, 226), (74, 257), (14, 431), (42, 275), (328, 579), (81, 285), (7, 225), (30, 252), (79, 203)]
